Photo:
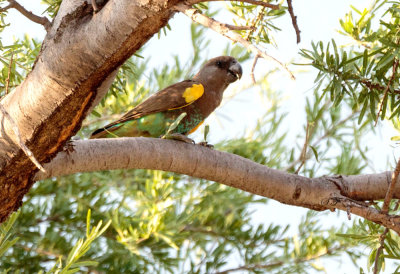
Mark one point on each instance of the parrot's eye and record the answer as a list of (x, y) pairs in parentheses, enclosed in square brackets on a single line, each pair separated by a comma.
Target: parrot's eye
[(219, 64)]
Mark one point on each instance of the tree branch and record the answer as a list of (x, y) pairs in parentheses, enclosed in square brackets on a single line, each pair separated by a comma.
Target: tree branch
[(219, 27), (389, 193), (28, 14), (303, 154), (9, 74), (49, 106), (294, 20), (15, 128), (334, 192), (380, 249), (279, 263), (377, 86), (253, 67), (233, 27), (253, 2)]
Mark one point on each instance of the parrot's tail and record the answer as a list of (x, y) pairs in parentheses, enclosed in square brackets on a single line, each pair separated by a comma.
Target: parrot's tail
[(99, 133), (105, 132)]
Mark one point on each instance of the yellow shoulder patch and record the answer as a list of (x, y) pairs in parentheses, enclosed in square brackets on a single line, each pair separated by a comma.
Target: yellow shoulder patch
[(193, 93)]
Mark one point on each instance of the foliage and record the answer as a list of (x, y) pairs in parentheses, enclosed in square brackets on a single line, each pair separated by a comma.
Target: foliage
[(366, 72), (164, 222)]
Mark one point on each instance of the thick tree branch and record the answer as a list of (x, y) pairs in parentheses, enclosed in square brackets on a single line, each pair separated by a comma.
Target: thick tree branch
[(20, 143), (28, 14), (70, 76), (334, 192), (220, 28)]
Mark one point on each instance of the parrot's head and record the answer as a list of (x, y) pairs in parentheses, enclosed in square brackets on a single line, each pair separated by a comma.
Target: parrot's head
[(222, 68)]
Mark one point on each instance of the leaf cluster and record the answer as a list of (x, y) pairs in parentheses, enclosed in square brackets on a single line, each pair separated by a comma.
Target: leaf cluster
[(366, 73)]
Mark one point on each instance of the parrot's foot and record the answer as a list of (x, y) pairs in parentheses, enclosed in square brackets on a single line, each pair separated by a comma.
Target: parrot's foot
[(69, 147), (178, 137), (205, 144)]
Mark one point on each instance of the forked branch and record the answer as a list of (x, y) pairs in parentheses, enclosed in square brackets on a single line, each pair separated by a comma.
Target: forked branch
[(42, 20)]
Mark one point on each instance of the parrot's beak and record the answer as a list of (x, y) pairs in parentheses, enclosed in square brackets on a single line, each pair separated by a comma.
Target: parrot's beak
[(236, 70)]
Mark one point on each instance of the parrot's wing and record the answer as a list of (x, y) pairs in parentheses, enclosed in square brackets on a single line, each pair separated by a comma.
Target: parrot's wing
[(175, 96)]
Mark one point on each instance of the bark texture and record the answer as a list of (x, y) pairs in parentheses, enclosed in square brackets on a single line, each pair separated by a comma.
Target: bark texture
[(78, 60), (329, 192)]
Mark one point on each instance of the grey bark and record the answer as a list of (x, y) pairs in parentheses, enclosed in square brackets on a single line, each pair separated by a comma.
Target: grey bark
[(335, 192)]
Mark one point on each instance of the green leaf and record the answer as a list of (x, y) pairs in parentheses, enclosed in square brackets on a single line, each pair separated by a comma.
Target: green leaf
[(371, 258), (364, 108), (176, 123), (395, 138), (95, 113), (365, 62), (84, 263), (88, 222), (315, 152), (206, 131)]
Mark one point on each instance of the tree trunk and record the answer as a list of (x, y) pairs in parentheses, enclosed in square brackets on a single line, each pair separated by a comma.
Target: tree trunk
[(74, 69)]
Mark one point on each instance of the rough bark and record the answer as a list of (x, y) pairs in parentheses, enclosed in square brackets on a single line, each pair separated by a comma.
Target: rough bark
[(335, 192), (78, 59)]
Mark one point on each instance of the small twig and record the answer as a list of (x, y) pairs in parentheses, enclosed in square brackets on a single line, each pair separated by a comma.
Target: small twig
[(9, 6), (95, 7), (259, 17), (39, 251), (320, 139), (102, 118), (389, 193), (294, 20), (9, 73), (279, 263), (382, 243), (380, 249), (233, 27), (304, 150), (219, 27), (253, 68), (37, 19), (377, 86), (395, 65), (385, 209), (17, 63), (254, 2)]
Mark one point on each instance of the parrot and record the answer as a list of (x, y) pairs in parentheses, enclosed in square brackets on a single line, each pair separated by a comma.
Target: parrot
[(197, 98)]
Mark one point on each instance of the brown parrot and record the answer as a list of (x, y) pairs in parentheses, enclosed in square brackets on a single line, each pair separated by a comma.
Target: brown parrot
[(197, 98)]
